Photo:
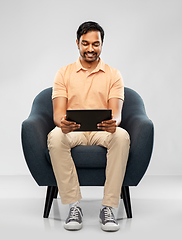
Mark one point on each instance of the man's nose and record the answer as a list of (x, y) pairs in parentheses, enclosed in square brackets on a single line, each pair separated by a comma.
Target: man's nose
[(90, 48)]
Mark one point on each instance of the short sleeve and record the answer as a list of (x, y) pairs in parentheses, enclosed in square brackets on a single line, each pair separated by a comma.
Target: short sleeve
[(59, 86), (117, 86)]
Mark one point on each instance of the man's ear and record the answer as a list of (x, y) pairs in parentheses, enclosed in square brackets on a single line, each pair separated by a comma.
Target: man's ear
[(77, 43)]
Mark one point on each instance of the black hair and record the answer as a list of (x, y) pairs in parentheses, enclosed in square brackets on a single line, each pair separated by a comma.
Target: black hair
[(89, 26)]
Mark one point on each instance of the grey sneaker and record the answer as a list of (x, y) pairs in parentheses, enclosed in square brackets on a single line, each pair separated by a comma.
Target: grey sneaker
[(107, 220), (74, 219)]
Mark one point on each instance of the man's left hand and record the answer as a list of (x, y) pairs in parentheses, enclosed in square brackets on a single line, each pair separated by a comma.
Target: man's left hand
[(108, 125)]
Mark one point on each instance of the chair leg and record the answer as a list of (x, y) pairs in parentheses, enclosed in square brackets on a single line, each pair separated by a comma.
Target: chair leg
[(51, 193), (125, 194), (56, 192)]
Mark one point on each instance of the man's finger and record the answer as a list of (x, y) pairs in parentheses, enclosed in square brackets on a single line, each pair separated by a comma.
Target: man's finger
[(68, 122), (109, 121), (105, 124)]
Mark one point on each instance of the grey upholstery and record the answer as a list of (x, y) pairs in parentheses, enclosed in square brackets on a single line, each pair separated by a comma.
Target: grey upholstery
[(40, 122), (90, 161)]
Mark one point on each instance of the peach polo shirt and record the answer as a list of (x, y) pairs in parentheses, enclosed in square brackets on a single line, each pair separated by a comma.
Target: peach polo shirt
[(86, 90)]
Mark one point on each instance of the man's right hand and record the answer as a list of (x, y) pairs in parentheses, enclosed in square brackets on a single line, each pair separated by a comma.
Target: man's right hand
[(68, 126)]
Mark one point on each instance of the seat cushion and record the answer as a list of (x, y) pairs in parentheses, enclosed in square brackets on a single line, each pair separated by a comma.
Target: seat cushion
[(87, 156)]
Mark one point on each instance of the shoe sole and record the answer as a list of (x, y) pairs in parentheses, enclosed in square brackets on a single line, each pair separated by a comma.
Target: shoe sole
[(73, 226), (109, 227)]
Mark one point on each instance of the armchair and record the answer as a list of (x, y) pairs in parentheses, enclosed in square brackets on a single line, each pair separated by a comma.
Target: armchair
[(90, 171)]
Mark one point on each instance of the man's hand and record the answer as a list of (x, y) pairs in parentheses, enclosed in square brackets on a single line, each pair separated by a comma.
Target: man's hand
[(68, 126), (108, 125)]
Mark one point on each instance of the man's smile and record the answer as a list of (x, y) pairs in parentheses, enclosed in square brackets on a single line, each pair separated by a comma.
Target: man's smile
[(90, 55)]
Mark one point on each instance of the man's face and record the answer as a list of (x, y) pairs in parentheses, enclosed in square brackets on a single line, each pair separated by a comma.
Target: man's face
[(90, 46)]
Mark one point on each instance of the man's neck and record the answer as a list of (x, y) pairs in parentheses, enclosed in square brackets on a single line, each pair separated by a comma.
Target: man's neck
[(90, 66)]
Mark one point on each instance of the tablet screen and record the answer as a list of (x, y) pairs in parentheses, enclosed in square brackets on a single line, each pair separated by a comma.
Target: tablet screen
[(89, 118)]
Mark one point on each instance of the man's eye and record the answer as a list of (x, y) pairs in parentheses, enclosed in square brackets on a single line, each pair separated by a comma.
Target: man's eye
[(84, 44)]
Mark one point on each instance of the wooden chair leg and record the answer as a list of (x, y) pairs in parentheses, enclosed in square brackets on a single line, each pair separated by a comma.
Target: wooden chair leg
[(51, 193), (125, 194)]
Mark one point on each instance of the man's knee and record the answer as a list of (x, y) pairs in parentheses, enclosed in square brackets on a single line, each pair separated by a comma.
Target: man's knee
[(55, 138), (121, 135)]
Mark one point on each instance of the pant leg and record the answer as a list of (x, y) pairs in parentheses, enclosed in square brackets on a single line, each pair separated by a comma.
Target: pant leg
[(59, 145), (117, 145)]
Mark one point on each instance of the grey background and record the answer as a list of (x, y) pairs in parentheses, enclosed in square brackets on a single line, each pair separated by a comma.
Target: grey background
[(143, 40)]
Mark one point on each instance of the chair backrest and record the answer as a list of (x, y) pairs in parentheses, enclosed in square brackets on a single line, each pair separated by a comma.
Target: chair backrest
[(133, 106), (42, 106)]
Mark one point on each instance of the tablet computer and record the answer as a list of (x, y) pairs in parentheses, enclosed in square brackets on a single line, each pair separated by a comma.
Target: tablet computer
[(89, 118)]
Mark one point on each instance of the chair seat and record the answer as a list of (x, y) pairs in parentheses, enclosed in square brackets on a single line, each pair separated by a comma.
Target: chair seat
[(87, 156)]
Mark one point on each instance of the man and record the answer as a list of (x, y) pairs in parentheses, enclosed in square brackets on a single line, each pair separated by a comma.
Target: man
[(88, 84)]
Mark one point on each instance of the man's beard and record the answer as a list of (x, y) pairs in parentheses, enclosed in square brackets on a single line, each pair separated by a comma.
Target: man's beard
[(91, 59)]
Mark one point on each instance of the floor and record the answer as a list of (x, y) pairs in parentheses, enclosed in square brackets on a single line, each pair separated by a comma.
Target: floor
[(156, 206)]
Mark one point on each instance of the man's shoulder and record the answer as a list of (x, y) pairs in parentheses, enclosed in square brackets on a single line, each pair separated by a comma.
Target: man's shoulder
[(66, 68), (112, 70)]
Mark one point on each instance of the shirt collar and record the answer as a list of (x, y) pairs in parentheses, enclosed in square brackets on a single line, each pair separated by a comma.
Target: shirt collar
[(100, 66)]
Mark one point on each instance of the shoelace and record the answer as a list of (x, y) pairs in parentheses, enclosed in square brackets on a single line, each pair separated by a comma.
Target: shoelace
[(74, 213), (109, 215)]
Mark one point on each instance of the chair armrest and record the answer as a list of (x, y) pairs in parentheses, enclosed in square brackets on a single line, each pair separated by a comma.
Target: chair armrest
[(141, 131), (34, 142)]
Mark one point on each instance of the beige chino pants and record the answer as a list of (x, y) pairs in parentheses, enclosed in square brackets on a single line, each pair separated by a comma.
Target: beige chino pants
[(60, 144)]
